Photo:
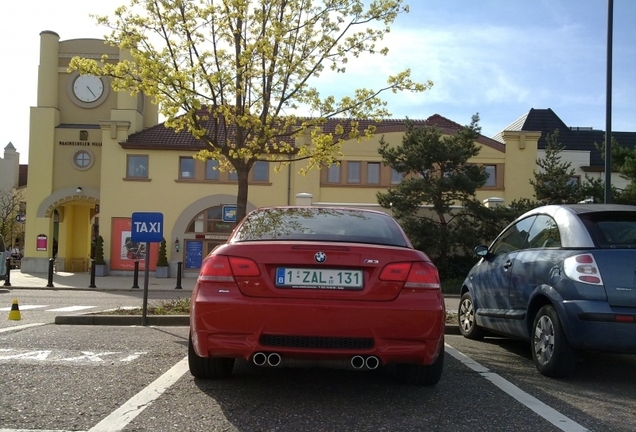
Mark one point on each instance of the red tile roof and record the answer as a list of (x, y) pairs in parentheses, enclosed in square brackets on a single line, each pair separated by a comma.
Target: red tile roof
[(160, 137)]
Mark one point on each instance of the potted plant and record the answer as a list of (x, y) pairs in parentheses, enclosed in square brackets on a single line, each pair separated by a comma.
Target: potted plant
[(162, 261), (100, 264)]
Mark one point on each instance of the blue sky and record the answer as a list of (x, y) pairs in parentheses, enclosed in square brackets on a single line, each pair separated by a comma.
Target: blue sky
[(498, 58)]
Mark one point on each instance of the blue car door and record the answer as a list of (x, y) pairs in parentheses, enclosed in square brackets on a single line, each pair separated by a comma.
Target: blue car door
[(491, 277)]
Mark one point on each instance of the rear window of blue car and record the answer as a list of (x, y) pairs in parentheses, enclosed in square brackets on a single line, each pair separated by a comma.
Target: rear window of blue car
[(612, 229), (320, 224)]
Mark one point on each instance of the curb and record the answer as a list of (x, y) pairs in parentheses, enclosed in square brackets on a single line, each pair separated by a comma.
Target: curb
[(156, 320), (124, 320)]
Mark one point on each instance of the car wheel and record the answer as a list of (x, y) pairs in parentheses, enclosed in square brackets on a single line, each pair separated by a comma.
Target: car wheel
[(466, 317), (551, 351), (208, 367), (414, 374)]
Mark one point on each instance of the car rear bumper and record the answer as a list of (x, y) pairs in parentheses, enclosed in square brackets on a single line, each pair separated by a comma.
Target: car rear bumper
[(593, 325), (409, 329)]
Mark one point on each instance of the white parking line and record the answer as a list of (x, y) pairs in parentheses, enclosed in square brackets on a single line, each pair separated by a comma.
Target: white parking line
[(24, 307), (550, 414), (8, 329), (126, 413), (70, 309)]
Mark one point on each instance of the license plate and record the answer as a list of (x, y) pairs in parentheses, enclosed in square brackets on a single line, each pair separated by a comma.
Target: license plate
[(319, 278)]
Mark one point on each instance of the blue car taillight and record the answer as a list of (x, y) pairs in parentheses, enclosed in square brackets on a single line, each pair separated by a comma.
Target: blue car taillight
[(582, 268)]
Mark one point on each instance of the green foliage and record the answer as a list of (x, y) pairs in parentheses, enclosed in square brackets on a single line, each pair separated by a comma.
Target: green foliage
[(436, 173), (162, 258), (246, 67), (553, 183), (99, 251)]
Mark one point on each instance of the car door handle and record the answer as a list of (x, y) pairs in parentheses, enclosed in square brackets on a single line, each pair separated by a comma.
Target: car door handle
[(507, 265)]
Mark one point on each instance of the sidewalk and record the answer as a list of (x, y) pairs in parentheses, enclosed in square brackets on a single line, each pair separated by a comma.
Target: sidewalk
[(82, 281)]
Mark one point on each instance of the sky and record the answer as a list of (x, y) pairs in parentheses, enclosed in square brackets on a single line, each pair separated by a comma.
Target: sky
[(497, 58)]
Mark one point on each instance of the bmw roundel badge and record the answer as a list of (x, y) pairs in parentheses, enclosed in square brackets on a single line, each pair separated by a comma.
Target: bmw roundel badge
[(320, 257)]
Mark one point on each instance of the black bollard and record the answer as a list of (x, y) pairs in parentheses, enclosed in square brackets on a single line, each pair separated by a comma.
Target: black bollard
[(179, 275), (136, 275), (7, 279), (92, 285), (51, 263)]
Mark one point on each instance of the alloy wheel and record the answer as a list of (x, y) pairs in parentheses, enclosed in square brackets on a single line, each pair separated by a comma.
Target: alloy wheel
[(544, 340)]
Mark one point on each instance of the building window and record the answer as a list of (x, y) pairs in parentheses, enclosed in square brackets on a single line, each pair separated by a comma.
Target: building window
[(186, 168), (211, 169), (233, 176), (574, 181), (491, 181), (373, 173), (137, 166), (83, 160), (333, 174), (396, 177), (260, 171), (353, 172)]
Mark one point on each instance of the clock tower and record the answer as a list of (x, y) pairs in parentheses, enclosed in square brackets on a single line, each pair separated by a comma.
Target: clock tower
[(70, 129)]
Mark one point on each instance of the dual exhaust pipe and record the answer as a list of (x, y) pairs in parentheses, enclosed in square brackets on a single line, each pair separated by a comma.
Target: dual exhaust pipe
[(357, 362)]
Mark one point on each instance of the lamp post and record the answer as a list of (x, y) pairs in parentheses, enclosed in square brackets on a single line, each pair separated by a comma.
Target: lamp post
[(608, 106)]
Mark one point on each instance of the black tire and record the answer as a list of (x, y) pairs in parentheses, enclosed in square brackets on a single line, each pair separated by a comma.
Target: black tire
[(466, 318), (414, 374), (208, 367), (551, 352)]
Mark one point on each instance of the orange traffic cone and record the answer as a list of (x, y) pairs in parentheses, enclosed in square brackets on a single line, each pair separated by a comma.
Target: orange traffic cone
[(14, 314)]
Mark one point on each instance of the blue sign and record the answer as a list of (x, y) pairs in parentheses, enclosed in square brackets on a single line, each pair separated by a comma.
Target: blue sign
[(147, 227), (229, 213), (194, 254)]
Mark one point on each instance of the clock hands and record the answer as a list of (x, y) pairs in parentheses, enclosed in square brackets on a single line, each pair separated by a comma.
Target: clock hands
[(89, 89)]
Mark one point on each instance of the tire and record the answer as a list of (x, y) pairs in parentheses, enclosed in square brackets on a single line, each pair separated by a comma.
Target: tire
[(466, 318), (208, 367), (551, 352), (414, 374)]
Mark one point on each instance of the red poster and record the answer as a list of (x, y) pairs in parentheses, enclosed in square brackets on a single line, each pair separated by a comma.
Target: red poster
[(41, 242), (124, 252)]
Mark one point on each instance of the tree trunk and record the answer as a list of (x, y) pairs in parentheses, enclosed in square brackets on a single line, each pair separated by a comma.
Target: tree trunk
[(241, 197)]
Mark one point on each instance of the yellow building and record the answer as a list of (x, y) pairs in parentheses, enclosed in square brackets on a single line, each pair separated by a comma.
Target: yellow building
[(97, 156)]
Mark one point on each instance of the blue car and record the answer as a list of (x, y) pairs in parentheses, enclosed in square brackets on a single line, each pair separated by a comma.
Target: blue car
[(562, 277)]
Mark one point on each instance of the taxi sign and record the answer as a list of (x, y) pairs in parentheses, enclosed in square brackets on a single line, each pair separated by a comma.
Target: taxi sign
[(147, 227)]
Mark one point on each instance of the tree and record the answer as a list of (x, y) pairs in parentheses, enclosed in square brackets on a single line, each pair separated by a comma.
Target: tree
[(10, 205), (436, 172), (554, 184), (233, 73)]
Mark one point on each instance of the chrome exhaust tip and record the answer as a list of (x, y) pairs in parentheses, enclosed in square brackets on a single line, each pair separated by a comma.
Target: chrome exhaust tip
[(357, 362), (372, 362), (274, 359), (259, 359)]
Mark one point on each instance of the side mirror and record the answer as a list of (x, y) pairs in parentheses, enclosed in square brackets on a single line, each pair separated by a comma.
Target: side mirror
[(481, 251)]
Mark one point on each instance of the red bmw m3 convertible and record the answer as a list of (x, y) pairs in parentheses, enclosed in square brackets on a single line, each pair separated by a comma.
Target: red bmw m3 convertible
[(318, 286)]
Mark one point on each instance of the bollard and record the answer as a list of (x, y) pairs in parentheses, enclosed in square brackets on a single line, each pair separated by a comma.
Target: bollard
[(51, 263), (136, 275), (179, 275), (7, 280), (92, 285)]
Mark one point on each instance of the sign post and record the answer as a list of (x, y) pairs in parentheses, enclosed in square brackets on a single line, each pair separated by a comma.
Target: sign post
[(147, 227)]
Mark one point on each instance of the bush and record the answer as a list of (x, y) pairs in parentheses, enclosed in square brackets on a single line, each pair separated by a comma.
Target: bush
[(99, 251), (162, 259)]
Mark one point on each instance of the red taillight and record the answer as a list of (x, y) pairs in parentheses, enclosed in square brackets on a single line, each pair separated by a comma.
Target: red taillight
[(216, 269), (244, 267), (419, 275), (624, 318), (397, 272), (423, 275)]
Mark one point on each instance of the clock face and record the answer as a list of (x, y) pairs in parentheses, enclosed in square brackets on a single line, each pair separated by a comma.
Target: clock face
[(88, 88)]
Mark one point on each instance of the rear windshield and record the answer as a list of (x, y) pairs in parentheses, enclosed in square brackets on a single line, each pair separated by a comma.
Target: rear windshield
[(612, 229), (321, 224)]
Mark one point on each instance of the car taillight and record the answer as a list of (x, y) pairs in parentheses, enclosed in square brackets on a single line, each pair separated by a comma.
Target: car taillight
[(216, 269), (582, 268), (419, 275), (244, 267), (423, 275), (397, 272)]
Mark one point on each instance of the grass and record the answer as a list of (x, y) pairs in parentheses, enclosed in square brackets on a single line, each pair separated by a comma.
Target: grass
[(165, 307)]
